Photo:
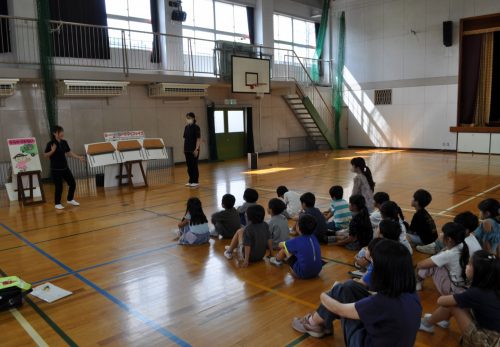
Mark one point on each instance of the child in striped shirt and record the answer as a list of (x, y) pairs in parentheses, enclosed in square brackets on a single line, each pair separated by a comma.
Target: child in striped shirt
[(339, 210)]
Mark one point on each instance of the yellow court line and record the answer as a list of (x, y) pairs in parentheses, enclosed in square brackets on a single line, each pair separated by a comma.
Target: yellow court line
[(252, 283), (28, 328)]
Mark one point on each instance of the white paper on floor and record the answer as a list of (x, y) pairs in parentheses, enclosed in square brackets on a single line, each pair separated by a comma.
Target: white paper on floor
[(49, 292)]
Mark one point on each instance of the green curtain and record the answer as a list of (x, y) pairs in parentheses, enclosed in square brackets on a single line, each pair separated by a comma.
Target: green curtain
[(46, 62), (320, 40), (339, 80)]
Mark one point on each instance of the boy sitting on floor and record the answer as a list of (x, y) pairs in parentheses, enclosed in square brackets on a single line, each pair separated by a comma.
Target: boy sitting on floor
[(339, 210), (302, 253), (278, 225), (226, 222), (253, 240)]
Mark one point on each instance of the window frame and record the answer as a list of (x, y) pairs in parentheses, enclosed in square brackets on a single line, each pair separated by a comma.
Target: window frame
[(292, 43)]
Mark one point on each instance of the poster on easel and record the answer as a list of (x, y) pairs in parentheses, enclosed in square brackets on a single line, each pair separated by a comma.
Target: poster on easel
[(24, 155)]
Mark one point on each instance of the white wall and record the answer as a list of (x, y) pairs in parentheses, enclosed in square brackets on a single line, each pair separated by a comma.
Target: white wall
[(381, 52)]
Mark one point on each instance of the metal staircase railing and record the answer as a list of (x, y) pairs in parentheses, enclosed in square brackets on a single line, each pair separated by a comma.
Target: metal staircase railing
[(319, 109)]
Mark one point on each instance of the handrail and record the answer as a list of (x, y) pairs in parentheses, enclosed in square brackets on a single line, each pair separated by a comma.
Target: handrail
[(313, 84)]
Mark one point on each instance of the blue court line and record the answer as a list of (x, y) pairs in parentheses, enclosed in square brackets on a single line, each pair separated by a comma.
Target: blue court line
[(127, 257), (129, 309)]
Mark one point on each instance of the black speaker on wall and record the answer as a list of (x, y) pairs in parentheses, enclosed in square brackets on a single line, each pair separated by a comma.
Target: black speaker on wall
[(448, 33)]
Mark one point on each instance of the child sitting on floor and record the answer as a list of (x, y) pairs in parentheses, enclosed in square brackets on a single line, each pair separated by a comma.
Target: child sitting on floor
[(375, 217), (470, 222), (422, 228), (278, 225), (302, 253), (447, 269), (226, 222), (360, 231), (193, 229), (253, 240), (339, 210), (308, 200), (477, 310), (250, 196), (292, 201), (488, 232)]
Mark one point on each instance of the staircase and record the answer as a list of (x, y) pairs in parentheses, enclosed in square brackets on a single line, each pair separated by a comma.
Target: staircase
[(306, 114)]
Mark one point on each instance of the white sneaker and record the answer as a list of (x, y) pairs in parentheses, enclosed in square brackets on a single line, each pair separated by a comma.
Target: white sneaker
[(59, 207), (418, 287), (275, 261), (194, 185), (427, 249), (188, 184), (228, 255), (445, 324), (425, 326), (74, 203)]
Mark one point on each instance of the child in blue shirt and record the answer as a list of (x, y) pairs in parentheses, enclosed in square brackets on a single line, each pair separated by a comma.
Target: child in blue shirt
[(339, 210), (302, 253), (488, 232)]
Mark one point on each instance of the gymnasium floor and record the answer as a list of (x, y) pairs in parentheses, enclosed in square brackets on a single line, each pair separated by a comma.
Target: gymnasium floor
[(133, 286)]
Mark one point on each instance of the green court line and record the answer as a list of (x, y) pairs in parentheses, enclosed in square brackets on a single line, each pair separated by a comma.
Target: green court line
[(338, 261), (47, 319), (297, 341)]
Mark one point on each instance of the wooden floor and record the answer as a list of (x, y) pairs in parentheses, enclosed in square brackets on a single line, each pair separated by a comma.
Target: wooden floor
[(133, 286)]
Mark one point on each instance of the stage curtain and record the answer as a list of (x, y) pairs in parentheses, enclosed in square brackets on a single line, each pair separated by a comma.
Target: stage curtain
[(4, 28), (483, 100), (471, 58), (494, 118), (249, 121), (251, 24), (155, 23), (78, 41), (212, 144)]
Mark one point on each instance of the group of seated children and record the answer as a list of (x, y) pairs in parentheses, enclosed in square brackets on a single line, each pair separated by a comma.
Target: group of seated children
[(464, 266)]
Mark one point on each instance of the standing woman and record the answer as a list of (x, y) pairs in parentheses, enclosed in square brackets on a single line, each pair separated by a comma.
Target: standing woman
[(57, 150), (192, 141), (363, 182)]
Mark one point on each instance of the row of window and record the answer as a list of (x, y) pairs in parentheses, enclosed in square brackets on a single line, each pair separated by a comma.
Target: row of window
[(210, 20)]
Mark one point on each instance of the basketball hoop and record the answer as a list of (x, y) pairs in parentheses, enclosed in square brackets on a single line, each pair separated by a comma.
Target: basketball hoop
[(254, 85)]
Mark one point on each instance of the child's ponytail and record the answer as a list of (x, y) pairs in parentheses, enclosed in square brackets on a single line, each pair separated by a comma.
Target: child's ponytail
[(360, 163), (368, 174)]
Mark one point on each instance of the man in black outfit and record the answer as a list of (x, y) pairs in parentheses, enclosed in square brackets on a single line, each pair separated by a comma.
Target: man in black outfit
[(192, 140), (57, 150)]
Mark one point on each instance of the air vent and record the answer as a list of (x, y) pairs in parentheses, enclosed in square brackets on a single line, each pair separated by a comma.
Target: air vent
[(102, 89), (383, 97), (7, 87), (165, 90)]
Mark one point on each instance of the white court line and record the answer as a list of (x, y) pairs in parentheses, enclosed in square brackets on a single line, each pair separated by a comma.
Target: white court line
[(469, 199), (28, 328), (440, 214)]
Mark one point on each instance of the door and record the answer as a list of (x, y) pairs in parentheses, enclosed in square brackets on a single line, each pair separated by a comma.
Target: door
[(230, 133)]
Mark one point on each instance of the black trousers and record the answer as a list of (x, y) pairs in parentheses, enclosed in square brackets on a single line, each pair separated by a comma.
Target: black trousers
[(192, 167), (347, 292), (58, 176)]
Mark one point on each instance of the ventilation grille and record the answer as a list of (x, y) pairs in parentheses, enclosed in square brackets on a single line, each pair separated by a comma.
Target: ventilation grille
[(7, 87), (165, 90), (92, 88), (383, 97)]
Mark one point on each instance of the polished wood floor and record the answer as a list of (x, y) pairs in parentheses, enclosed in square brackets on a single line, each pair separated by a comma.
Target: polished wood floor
[(133, 286)]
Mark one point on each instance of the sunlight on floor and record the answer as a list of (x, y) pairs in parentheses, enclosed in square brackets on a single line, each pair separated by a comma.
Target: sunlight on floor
[(380, 151), (267, 171)]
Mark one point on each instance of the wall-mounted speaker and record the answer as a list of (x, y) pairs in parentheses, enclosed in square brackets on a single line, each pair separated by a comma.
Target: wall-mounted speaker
[(448, 33)]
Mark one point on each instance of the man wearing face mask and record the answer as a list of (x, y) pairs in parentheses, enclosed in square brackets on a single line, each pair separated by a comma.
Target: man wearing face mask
[(192, 141)]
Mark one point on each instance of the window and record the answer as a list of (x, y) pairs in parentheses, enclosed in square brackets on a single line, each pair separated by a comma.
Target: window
[(222, 20), (130, 15), (235, 121), (219, 122), (296, 34)]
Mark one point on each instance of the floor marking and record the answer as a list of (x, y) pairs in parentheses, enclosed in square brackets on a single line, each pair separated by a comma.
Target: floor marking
[(469, 199), (255, 284), (28, 328), (127, 308), (46, 318), (298, 340), (127, 257)]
